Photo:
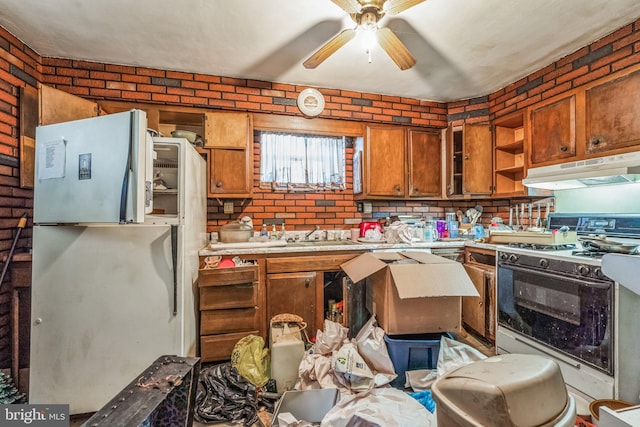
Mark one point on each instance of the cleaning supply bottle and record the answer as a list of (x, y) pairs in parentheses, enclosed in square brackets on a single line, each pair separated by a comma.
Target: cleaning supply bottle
[(263, 231)]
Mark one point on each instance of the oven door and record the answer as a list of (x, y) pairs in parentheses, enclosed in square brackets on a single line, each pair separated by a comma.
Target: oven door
[(571, 315)]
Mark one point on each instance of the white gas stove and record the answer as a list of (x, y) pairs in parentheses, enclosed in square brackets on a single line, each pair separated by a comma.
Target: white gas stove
[(557, 301)]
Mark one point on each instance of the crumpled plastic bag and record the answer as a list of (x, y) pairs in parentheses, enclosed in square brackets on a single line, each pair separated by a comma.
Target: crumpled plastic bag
[(379, 407), (251, 359), (452, 355), (223, 395), (373, 349), (330, 338), (315, 370), (399, 232), (348, 362)]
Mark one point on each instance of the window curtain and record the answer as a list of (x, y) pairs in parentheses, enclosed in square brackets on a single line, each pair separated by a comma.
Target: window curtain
[(302, 162)]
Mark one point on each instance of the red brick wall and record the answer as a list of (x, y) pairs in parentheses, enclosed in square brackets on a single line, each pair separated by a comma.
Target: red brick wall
[(615, 52), (117, 82), (19, 67)]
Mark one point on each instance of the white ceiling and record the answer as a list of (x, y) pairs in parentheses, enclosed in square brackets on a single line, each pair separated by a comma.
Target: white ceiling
[(463, 48)]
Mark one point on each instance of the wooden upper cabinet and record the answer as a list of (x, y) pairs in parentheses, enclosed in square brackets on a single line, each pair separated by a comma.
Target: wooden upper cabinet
[(385, 153), (553, 131), (230, 172), (425, 164), (613, 114), (57, 106), (228, 130), (477, 172), (469, 160), (228, 145)]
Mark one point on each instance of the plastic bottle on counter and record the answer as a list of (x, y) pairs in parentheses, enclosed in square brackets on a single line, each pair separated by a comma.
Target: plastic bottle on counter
[(274, 232), (263, 231)]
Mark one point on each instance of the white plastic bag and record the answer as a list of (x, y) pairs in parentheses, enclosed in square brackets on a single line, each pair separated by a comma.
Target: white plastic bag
[(331, 338), (379, 407), (348, 362), (454, 354), (315, 369), (373, 349)]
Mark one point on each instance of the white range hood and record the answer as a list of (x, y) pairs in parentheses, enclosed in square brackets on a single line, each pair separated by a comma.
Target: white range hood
[(616, 169)]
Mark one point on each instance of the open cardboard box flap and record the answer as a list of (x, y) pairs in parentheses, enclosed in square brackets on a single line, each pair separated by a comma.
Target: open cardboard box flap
[(429, 276)]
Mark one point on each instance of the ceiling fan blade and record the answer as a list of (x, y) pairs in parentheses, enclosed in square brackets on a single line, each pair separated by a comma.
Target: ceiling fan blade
[(393, 7), (329, 48), (395, 49), (349, 6)]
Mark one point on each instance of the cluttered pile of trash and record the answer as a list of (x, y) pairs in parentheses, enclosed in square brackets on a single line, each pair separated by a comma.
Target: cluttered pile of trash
[(359, 370)]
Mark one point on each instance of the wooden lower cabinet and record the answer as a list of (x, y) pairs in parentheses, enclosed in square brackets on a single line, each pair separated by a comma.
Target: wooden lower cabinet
[(296, 285), (297, 293), (229, 309), (478, 313)]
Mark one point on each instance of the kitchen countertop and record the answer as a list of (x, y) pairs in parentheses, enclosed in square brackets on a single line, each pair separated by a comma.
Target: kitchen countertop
[(264, 248)]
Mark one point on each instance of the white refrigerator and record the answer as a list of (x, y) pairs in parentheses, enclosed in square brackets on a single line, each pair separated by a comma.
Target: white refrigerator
[(113, 288)]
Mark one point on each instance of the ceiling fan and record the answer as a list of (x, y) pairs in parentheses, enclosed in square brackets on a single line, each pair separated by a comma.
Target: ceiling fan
[(366, 14)]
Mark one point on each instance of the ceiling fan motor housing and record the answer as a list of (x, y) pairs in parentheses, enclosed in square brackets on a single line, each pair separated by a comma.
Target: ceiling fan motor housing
[(368, 17)]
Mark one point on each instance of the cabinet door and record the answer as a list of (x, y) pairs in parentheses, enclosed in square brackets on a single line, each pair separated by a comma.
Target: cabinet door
[(473, 310), (477, 154), (553, 131), (385, 161), (230, 172), (227, 130), (490, 305), (425, 164), (297, 293), (57, 106), (612, 114)]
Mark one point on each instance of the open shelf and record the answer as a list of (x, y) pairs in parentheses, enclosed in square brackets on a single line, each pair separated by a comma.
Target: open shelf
[(509, 156)]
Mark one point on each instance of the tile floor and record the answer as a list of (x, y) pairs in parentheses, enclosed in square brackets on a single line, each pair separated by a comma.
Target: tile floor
[(467, 338)]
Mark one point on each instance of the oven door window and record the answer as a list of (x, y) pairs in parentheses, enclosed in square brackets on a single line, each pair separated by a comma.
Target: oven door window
[(568, 314)]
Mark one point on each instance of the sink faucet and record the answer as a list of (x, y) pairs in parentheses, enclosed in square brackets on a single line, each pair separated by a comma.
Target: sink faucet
[(307, 235)]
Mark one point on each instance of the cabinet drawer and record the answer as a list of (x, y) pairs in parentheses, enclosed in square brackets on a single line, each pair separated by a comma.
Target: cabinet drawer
[(229, 296), (227, 276), (231, 320), (314, 263), (219, 347)]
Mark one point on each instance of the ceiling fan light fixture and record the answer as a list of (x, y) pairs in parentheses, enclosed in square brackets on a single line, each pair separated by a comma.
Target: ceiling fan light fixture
[(367, 14)]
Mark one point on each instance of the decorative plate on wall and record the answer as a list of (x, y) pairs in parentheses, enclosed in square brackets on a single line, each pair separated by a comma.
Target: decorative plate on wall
[(311, 102)]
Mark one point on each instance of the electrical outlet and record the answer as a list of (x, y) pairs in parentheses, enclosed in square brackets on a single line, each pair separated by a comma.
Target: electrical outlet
[(228, 208), (360, 206)]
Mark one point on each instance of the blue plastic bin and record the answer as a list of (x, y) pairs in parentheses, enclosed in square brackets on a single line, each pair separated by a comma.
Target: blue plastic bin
[(411, 352)]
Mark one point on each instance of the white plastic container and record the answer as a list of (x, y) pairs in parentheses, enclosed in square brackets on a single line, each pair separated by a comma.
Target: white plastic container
[(287, 350)]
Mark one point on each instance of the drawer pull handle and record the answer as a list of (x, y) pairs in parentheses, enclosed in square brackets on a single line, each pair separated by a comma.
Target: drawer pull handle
[(564, 148), (307, 282)]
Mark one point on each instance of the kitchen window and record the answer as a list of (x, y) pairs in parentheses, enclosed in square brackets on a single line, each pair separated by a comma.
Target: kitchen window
[(300, 162)]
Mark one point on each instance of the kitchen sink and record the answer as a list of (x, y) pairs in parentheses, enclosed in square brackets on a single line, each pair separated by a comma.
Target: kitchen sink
[(316, 243)]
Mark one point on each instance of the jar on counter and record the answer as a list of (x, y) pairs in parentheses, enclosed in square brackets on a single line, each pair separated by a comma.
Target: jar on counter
[(430, 234)]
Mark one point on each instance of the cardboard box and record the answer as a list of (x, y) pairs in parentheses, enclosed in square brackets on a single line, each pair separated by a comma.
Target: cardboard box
[(412, 292)]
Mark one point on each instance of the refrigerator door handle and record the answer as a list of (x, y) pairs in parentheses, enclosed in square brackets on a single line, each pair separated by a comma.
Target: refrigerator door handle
[(124, 195), (174, 258)]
